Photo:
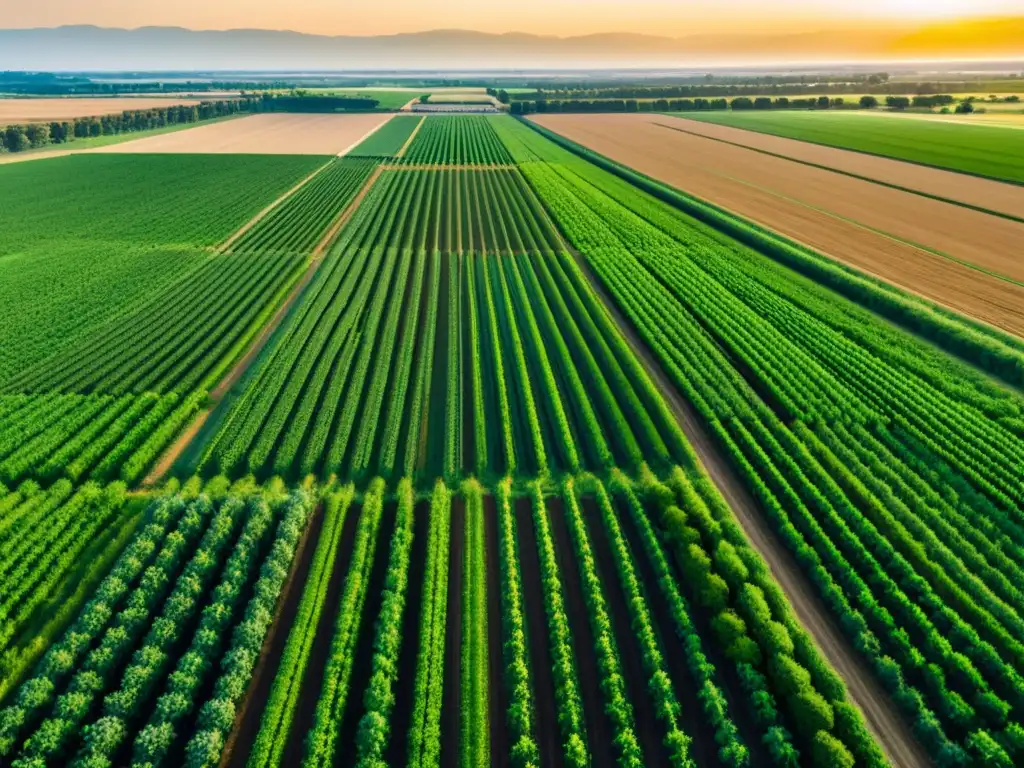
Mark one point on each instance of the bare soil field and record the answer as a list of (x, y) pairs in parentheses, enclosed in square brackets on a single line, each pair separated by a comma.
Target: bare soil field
[(46, 110), (961, 258), (972, 190), (269, 134)]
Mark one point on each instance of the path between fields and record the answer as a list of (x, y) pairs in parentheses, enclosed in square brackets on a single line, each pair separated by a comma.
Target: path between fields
[(266, 211), (883, 719), (172, 454)]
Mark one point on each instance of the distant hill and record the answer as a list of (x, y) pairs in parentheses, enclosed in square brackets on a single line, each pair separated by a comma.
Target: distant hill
[(172, 48)]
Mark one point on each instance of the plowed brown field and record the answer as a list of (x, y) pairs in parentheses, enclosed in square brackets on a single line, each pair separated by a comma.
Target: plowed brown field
[(880, 230), (959, 187), (45, 110), (268, 134)]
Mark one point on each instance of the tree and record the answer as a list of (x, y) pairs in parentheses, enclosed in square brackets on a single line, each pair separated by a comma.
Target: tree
[(829, 752), (897, 102), (38, 134), (964, 108), (868, 102), (811, 712), (15, 139)]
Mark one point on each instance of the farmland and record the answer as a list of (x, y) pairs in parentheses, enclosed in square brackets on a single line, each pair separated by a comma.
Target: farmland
[(492, 453), (981, 149), (46, 110), (958, 257), (980, 193), (390, 140), (267, 134), (128, 229)]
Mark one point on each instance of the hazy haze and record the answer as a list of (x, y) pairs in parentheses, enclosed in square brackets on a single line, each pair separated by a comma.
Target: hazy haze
[(561, 17)]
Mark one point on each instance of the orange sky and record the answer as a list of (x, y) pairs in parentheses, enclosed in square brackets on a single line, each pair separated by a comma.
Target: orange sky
[(560, 17)]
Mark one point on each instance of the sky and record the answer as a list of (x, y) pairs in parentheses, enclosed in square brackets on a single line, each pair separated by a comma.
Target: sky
[(554, 17)]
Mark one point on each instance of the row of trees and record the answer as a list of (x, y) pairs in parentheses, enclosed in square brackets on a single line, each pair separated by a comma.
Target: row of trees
[(713, 87), (738, 103), (18, 138), (617, 105), (500, 94)]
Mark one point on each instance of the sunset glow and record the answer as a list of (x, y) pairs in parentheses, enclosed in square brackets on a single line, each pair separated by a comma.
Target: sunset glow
[(552, 17)]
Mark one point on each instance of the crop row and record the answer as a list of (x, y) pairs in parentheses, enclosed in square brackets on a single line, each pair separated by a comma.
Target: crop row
[(178, 339), (424, 739), (809, 398), (321, 742), (297, 224), (457, 140), (357, 361), (128, 635), (279, 711), (55, 542), (474, 699)]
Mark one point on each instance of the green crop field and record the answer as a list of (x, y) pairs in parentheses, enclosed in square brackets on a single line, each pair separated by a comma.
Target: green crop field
[(389, 139), (461, 140), (980, 149), (88, 238), (496, 453)]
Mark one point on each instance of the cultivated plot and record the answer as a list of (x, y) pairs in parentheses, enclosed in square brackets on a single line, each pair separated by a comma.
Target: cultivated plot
[(946, 142), (959, 257), (982, 193), (267, 134), (47, 110)]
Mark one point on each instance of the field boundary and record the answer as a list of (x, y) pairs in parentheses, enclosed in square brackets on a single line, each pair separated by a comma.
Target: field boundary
[(865, 692), (408, 142), (223, 247), (966, 337), (851, 174), (365, 136), (878, 154), (170, 456)]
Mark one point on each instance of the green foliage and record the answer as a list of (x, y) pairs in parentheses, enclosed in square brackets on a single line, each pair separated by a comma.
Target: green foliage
[(457, 140), (280, 708), (474, 716), (870, 454), (389, 139), (424, 739), (321, 739)]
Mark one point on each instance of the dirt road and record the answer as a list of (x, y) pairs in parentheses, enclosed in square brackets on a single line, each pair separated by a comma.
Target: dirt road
[(883, 719), (885, 232)]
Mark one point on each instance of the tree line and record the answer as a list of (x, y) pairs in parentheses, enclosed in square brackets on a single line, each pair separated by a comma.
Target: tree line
[(738, 103), (18, 138), (713, 88)]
